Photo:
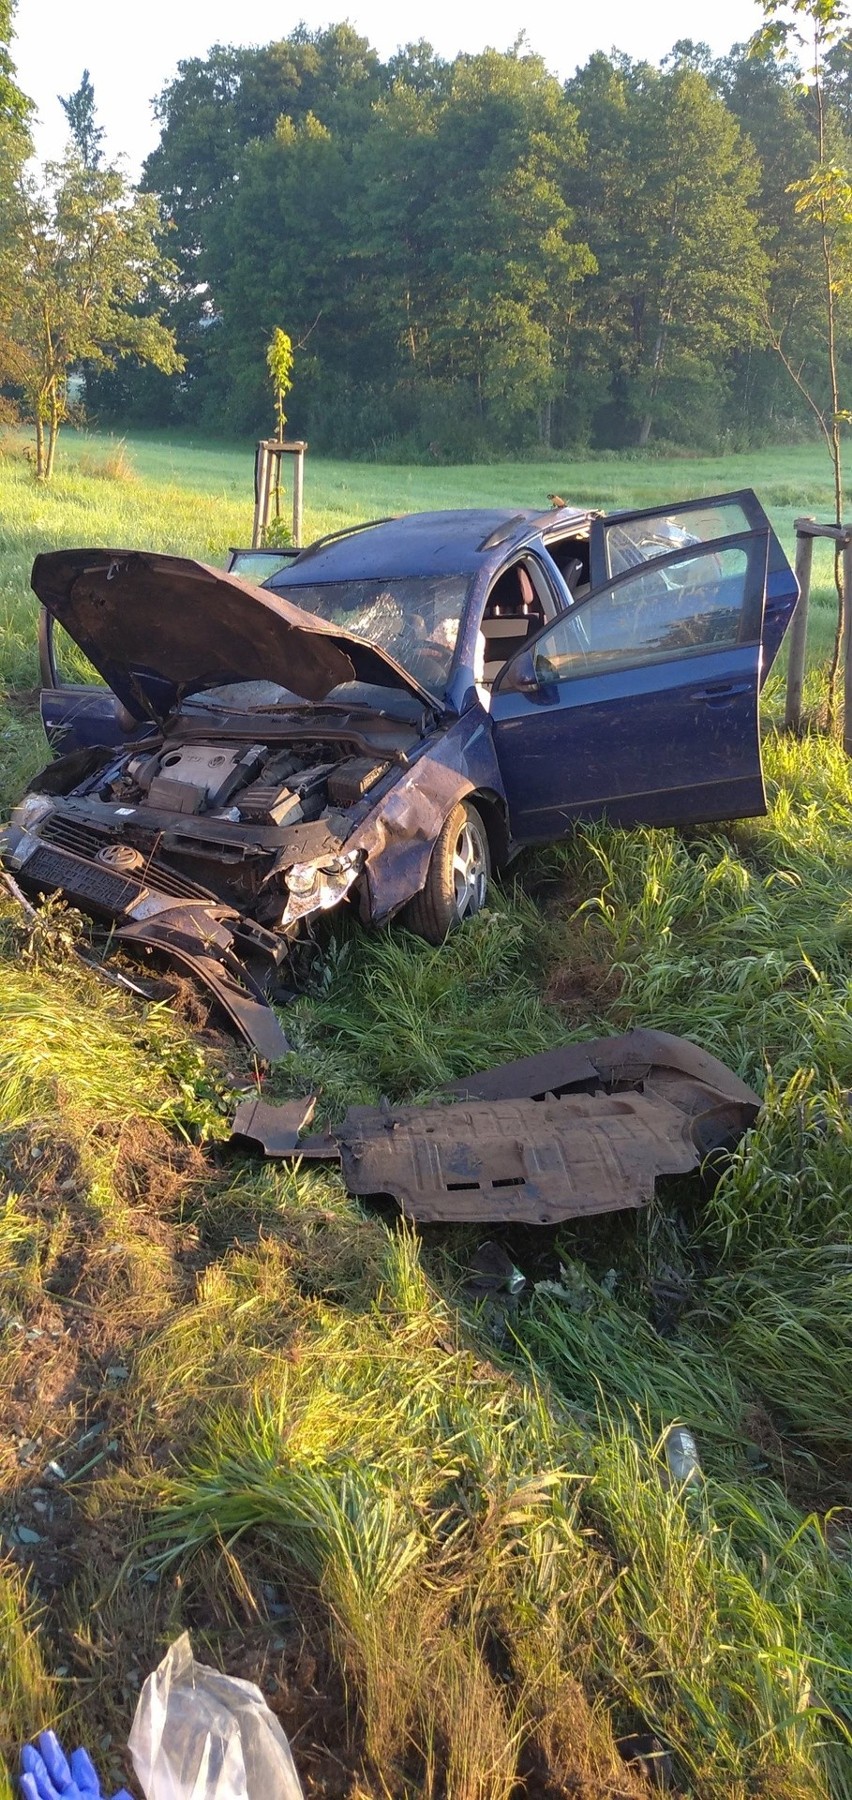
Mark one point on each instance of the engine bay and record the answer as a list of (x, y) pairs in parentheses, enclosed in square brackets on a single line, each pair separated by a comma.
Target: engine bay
[(208, 812), (254, 784), (208, 844)]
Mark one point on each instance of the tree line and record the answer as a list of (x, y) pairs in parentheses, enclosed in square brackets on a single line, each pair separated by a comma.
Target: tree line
[(471, 256)]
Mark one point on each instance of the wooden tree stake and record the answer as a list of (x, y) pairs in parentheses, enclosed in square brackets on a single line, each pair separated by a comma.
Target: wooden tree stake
[(267, 467), (847, 644), (799, 627)]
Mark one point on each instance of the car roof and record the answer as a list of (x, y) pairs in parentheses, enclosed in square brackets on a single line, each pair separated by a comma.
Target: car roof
[(459, 542)]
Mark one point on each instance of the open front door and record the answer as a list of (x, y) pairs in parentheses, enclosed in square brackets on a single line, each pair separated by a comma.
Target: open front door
[(77, 715), (641, 703), (621, 540)]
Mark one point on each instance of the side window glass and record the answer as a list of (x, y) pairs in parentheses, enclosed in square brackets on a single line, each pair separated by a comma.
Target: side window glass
[(257, 565), (633, 541), (660, 614)]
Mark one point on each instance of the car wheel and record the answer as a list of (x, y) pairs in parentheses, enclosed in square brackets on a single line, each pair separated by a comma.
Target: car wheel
[(457, 882)]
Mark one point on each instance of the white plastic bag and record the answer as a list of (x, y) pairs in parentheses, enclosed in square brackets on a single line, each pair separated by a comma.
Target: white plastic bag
[(201, 1735)]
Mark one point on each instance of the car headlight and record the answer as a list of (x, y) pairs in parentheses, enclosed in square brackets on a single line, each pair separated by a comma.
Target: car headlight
[(18, 842), (316, 886), (29, 810)]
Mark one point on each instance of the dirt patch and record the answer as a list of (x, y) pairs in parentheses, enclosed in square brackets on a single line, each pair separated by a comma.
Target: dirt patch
[(813, 1486), (158, 1173), (583, 988), (280, 1637), (80, 1292), (23, 701)]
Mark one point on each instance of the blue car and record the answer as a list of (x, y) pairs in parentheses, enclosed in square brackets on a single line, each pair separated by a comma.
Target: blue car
[(386, 716)]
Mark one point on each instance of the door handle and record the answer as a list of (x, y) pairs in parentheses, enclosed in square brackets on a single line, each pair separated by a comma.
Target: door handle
[(718, 693)]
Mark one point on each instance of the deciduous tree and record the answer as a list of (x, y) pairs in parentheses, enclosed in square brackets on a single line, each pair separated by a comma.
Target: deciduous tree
[(821, 201), (80, 255), (15, 147), (666, 194), (87, 135), (15, 108)]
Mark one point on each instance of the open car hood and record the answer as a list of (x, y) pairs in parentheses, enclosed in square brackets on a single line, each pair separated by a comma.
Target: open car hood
[(159, 627)]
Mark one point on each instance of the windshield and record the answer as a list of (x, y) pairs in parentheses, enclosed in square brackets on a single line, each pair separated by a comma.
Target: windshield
[(415, 618)]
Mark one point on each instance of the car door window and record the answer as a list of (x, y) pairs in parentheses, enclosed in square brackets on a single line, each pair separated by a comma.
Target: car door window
[(692, 602), (643, 539)]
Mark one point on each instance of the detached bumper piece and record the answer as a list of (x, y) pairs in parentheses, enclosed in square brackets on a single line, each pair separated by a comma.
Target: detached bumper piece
[(582, 1130), (156, 909), (203, 944)]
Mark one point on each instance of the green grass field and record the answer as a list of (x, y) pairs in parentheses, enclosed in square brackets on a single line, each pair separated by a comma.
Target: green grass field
[(442, 1540)]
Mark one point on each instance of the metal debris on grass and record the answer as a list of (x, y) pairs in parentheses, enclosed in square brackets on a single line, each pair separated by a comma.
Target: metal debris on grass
[(585, 1129)]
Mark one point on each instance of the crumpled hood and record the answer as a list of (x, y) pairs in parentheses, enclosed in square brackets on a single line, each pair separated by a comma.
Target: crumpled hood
[(158, 627)]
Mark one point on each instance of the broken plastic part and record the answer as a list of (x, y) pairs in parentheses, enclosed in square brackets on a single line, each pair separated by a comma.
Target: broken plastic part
[(493, 1272), (643, 1752), (195, 939), (276, 1128)]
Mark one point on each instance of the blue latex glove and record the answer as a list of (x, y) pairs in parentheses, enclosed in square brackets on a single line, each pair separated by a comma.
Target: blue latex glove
[(48, 1775), (85, 1774)]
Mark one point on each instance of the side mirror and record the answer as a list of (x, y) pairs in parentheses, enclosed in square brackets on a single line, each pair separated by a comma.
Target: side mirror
[(519, 676)]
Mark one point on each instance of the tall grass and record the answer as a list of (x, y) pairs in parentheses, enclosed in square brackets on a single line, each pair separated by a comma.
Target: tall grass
[(446, 1512), (790, 1309), (72, 1048), (741, 939), (28, 1695), (397, 1016)]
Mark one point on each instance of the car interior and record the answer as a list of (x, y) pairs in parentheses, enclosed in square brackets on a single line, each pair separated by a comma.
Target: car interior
[(571, 556), (521, 602), (514, 611)]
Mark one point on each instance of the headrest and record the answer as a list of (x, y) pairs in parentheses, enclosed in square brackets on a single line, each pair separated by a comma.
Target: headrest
[(525, 586)]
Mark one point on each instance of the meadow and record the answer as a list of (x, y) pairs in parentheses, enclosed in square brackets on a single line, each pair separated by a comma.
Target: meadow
[(440, 1535)]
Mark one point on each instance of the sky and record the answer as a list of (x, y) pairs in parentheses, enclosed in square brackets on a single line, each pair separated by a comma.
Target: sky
[(131, 51)]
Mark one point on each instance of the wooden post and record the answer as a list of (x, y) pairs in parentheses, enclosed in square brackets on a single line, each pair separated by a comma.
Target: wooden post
[(298, 490), (261, 488), (272, 467), (799, 627), (267, 463), (847, 644)]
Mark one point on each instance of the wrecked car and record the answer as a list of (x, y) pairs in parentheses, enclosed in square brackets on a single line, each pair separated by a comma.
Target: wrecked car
[(385, 717)]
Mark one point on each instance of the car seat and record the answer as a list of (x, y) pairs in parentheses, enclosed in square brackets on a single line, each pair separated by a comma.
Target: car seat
[(512, 614)]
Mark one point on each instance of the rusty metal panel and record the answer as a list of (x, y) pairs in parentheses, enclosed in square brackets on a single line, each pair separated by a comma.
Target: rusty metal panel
[(584, 1129), (524, 1160)]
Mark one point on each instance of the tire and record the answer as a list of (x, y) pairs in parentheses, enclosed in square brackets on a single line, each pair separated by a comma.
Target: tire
[(457, 881)]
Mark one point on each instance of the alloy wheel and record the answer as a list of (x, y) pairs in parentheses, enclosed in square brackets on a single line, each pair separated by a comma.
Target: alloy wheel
[(469, 871)]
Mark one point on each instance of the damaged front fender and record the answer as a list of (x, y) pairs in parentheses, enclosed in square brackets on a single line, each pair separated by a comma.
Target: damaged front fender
[(399, 835)]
